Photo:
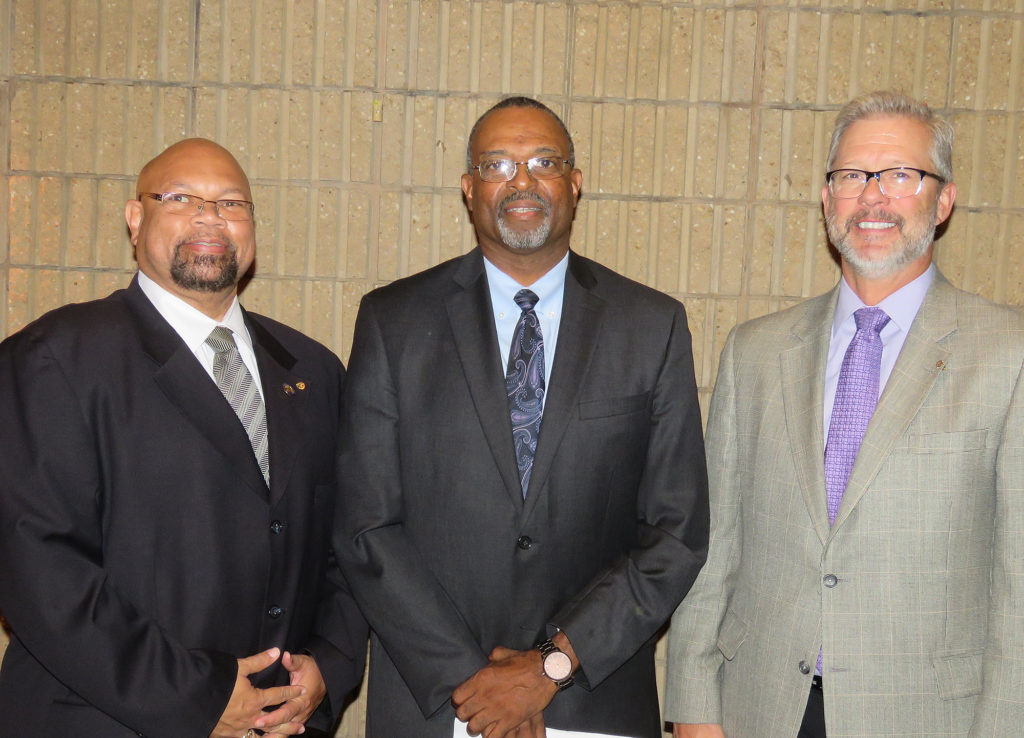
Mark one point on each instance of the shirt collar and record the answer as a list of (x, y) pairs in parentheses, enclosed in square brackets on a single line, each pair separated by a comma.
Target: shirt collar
[(192, 324), (504, 288), (901, 306)]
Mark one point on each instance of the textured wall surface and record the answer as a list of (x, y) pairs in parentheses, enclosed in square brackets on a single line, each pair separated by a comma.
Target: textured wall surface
[(700, 127)]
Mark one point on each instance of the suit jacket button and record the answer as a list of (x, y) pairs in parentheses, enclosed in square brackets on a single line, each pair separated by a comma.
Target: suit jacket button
[(830, 580), (804, 667), (275, 612), (524, 543), (276, 527)]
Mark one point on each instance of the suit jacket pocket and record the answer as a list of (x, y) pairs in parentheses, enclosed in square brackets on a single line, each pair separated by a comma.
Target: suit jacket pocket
[(611, 406), (958, 674), (731, 634), (945, 443)]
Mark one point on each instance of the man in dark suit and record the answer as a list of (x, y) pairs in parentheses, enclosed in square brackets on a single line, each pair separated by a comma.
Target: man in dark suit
[(494, 564), (166, 568)]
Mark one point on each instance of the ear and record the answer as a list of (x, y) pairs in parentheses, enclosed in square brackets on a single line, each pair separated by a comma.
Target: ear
[(133, 216), (824, 197), (576, 180), (944, 206), (467, 190)]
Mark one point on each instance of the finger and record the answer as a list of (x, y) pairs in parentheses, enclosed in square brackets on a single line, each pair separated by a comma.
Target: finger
[(287, 661), (258, 662), (277, 695), (286, 730)]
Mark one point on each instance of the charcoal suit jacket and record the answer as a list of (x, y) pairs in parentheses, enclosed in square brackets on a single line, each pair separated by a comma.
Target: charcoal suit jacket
[(141, 552), (443, 553)]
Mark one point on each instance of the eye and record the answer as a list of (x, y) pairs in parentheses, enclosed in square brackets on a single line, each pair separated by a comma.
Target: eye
[(231, 204), (495, 165), (849, 175), (176, 197), (544, 163), (899, 175)]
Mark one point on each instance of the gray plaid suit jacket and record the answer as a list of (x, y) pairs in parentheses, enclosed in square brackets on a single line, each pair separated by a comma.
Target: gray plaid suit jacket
[(923, 628)]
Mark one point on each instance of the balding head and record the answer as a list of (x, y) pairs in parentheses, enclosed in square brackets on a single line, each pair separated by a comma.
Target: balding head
[(197, 256)]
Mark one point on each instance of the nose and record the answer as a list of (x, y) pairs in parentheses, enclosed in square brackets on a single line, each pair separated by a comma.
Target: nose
[(872, 192), (208, 213), (522, 179)]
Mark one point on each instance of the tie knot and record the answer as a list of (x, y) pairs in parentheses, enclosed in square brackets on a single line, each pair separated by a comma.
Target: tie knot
[(221, 340), (871, 319), (526, 299)]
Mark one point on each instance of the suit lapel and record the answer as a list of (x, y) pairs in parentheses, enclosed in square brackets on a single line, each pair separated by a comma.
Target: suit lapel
[(803, 375), (472, 323), (284, 395), (580, 326), (919, 364), (189, 388)]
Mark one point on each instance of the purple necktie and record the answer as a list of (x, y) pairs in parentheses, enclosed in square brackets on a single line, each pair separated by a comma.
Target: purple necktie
[(855, 401), (856, 397), (524, 383)]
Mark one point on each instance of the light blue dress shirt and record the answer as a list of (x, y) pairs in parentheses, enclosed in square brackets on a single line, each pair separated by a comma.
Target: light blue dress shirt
[(549, 289)]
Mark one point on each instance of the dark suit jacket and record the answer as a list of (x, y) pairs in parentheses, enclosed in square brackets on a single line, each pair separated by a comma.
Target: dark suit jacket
[(446, 558), (141, 550)]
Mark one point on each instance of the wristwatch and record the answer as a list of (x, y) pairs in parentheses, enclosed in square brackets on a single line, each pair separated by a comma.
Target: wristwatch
[(557, 665)]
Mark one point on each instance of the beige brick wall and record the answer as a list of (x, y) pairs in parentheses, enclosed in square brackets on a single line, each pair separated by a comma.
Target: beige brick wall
[(700, 128)]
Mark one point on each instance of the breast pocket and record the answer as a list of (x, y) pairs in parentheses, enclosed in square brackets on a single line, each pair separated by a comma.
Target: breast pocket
[(611, 406)]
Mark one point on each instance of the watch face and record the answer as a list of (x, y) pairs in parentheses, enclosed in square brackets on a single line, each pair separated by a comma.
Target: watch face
[(557, 666)]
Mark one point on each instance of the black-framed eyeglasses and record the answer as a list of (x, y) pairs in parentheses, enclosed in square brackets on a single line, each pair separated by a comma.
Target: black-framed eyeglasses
[(180, 203), (497, 169), (895, 182)]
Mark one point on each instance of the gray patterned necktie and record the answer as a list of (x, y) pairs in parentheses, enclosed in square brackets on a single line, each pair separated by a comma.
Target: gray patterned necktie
[(524, 384), (235, 383)]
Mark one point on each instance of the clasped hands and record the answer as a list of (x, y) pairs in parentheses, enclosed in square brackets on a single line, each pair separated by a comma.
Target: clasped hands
[(296, 702), (507, 697)]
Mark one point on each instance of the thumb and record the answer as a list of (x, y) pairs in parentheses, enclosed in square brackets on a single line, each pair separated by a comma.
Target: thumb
[(258, 662)]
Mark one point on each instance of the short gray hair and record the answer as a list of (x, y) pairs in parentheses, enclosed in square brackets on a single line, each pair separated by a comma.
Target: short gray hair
[(895, 103)]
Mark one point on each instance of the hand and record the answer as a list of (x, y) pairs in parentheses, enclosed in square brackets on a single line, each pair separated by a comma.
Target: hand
[(246, 704), (532, 728), (510, 691), (303, 672), (693, 730)]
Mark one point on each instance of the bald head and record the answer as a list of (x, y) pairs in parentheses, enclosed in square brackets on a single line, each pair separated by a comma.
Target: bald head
[(189, 154)]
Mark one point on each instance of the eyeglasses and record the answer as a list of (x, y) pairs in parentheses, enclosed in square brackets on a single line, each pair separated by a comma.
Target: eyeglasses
[(503, 170), (178, 203), (896, 182)]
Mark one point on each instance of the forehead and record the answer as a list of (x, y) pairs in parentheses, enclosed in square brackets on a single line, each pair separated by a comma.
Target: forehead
[(519, 129), (200, 170), (885, 139)]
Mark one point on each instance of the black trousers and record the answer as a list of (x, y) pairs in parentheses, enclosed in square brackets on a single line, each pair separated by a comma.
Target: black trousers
[(813, 725)]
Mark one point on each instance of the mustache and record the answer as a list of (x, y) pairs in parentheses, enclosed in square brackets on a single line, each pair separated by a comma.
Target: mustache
[(876, 214), (221, 238), (519, 197)]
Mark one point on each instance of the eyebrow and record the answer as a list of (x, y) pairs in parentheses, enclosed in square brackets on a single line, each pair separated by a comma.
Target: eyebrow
[(536, 151), (231, 193)]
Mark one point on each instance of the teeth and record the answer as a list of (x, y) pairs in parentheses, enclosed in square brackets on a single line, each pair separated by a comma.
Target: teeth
[(875, 225)]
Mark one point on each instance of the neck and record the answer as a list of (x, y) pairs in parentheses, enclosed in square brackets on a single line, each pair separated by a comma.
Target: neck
[(873, 291), (526, 267)]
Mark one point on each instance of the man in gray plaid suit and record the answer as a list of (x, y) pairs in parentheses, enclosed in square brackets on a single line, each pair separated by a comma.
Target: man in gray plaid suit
[(866, 568)]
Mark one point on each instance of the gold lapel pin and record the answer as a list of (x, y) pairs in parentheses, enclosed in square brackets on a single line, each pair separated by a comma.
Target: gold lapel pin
[(288, 389), (300, 386)]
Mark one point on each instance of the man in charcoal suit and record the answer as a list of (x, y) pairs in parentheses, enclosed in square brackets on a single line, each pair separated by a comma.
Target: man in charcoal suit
[(524, 497)]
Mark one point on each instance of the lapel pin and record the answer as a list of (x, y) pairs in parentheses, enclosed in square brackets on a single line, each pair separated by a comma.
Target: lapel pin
[(940, 365), (288, 389), (300, 386)]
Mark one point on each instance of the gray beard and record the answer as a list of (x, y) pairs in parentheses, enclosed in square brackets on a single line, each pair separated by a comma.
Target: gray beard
[(912, 247), (524, 240), (191, 273)]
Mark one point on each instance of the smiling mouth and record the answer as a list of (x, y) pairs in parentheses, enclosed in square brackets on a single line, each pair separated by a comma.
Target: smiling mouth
[(874, 225)]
